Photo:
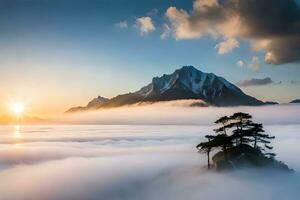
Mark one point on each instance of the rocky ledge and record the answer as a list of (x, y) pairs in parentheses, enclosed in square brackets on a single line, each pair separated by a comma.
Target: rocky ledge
[(245, 156)]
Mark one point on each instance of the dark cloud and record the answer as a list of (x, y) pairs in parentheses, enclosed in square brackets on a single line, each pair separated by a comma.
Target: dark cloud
[(277, 23), (283, 50), (272, 26), (269, 18), (256, 82)]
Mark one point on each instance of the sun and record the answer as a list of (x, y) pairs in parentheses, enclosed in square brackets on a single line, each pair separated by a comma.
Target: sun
[(17, 108)]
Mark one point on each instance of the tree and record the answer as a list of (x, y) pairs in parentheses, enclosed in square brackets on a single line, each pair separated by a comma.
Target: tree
[(240, 121), (259, 137), (223, 120), (243, 132), (257, 130), (214, 142), (205, 147)]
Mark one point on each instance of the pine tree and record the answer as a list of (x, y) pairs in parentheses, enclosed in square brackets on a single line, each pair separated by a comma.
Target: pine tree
[(206, 147), (223, 120), (259, 137), (243, 132), (220, 141), (241, 121)]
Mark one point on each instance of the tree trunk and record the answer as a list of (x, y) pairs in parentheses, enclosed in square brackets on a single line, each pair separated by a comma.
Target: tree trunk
[(224, 129), (208, 160), (225, 152), (241, 140)]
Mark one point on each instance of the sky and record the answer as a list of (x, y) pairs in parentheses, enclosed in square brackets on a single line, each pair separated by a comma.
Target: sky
[(55, 54)]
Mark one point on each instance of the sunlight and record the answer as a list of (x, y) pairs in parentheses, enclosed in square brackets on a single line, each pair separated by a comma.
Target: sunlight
[(17, 133), (17, 108)]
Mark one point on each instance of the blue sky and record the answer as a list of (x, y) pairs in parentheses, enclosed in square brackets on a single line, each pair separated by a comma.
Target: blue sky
[(71, 51)]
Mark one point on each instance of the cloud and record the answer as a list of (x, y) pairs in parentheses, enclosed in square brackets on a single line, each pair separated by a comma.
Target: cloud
[(145, 25), (134, 162), (250, 20), (163, 176), (240, 63), (141, 162), (153, 12), (227, 45), (255, 63), (122, 24), (255, 82), (203, 4), (166, 31), (180, 113), (181, 25)]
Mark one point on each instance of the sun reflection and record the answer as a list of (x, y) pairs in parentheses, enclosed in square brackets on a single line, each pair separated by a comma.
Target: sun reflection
[(17, 132)]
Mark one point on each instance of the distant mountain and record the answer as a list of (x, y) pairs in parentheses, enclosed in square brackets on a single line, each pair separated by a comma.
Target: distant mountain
[(295, 101), (184, 83), (92, 105), (96, 102), (271, 103)]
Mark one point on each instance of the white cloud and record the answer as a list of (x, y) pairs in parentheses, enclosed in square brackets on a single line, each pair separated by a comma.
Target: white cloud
[(204, 4), (181, 24), (145, 25), (166, 31), (240, 63), (227, 45), (122, 24), (158, 162), (270, 58), (255, 63), (185, 25), (198, 23), (182, 113)]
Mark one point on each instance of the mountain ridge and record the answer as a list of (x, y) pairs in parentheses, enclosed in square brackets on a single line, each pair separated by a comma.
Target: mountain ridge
[(295, 101), (184, 83)]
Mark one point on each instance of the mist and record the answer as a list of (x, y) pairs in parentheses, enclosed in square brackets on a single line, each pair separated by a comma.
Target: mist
[(142, 161), (181, 112)]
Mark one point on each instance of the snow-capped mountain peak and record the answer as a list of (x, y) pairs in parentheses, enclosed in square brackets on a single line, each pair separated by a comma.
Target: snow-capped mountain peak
[(184, 83), (194, 82)]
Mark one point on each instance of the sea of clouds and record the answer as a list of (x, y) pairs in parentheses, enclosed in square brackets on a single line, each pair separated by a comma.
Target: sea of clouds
[(141, 160), (181, 112)]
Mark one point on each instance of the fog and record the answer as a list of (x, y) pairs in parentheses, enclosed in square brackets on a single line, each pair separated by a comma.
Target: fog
[(180, 112), (142, 161)]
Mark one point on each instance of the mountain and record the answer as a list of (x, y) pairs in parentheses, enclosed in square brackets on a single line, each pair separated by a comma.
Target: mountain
[(184, 83), (295, 101), (94, 104), (271, 103), (190, 83)]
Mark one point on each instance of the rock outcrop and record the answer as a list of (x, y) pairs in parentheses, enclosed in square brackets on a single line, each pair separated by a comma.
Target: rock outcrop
[(245, 156)]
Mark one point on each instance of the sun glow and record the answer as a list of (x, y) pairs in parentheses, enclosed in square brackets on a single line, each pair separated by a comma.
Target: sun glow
[(17, 133), (17, 108)]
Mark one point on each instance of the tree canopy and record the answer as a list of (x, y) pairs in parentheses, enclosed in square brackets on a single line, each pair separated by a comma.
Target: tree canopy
[(235, 130)]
